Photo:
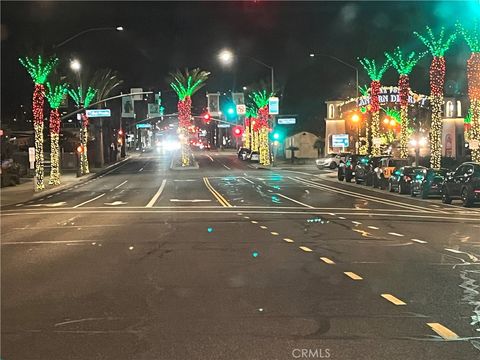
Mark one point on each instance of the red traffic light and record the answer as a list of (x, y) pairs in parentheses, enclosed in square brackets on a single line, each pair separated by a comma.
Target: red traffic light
[(237, 131), (120, 132), (207, 117), (80, 149)]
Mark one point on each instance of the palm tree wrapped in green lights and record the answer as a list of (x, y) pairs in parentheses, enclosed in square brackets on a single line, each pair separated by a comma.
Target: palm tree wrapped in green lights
[(54, 96), (404, 66), (83, 98), (260, 99), (375, 73), (39, 71), (437, 47), (185, 84)]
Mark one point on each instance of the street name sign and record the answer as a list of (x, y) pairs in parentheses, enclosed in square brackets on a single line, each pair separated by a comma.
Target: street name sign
[(144, 126), (286, 121), (94, 113), (273, 106), (340, 140)]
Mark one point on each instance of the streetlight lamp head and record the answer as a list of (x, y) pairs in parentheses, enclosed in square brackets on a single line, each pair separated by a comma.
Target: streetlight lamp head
[(312, 55), (355, 118), (119, 28), (225, 56), (244, 88), (75, 65)]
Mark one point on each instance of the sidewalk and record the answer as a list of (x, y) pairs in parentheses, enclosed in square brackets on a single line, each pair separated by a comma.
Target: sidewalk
[(25, 191)]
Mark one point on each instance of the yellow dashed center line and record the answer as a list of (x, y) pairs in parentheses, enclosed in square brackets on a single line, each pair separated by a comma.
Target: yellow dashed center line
[(353, 276), (288, 240), (304, 248), (263, 227), (274, 233), (246, 217), (393, 299), (444, 332), (327, 260), (254, 222)]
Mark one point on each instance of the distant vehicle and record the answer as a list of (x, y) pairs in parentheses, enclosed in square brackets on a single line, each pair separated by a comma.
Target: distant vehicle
[(463, 183), (428, 182), (254, 156), (242, 153), (385, 168), (401, 178), (365, 170), (346, 169), (330, 161)]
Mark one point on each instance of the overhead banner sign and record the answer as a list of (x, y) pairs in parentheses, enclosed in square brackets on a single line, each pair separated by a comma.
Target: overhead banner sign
[(127, 107), (213, 104), (137, 97), (286, 121), (94, 113), (340, 140), (238, 98), (273, 106)]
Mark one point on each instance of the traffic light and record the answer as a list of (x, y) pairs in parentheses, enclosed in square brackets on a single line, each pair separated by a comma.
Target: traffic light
[(79, 149), (237, 131), (206, 118), (120, 132), (276, 135)]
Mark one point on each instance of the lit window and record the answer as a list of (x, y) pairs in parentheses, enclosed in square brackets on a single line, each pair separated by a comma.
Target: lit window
[(459, 108), (449, 109), (331, 111)]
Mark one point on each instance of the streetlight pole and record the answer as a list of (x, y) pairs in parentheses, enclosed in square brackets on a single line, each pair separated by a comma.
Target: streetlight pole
[(344, 63), (117, 28)]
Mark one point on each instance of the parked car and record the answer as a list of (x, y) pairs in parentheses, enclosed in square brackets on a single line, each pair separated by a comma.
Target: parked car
[(384, 170), (428, 182), (401, 178), (330, 161), (463, 183), (346, 169), (254, 156), (365, 169), (242, 153)]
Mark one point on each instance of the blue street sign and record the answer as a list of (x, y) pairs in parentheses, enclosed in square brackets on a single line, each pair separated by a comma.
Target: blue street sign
[(340, 140), (93, 113)]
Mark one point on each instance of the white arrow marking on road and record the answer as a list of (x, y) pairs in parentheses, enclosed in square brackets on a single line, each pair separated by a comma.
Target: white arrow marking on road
[(193, 200), (115, 203)]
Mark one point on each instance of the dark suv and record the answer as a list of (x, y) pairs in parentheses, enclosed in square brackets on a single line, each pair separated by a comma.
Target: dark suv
[(401, 178), (346, 169), (463, 183), (364, 170)]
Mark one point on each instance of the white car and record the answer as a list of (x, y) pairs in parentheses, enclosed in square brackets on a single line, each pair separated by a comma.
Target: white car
[(254, 156), (330, 161)]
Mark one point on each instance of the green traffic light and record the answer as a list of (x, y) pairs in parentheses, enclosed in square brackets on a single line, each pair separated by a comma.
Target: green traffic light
[(276, 136)]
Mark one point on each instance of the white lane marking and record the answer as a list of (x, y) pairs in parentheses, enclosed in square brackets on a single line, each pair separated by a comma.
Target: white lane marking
[(86, 202), (419, 241), (157, 194), (288, 240), (115, 203), (274, 233), (395, 234), (184, 180), (226, 167), (116, 187), (333, 214), (211, 159), (356, 222), (141, 169), (250, 181), (342, 218), (373, 227), (19, 205), (192, 200), (45, 242), (254, 222), (269, 190), (49, 205), (295, 201), (454, 251), (49, 196), (263, 227)]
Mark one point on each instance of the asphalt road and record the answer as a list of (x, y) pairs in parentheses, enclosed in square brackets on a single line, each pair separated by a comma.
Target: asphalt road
[(232, 262)]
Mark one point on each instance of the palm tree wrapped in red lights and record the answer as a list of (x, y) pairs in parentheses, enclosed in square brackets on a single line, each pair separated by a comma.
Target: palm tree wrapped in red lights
[(55, 96), (375, 73), (39, 71), (437, 47), (404, 66), (260, 98), (185, 85), (472, 37)]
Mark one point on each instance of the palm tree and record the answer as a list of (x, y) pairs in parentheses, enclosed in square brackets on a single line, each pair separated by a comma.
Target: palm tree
[(83, 99), (404, 66), (375, 75), (260, 99), (185, 85), (472, 37), (437, 47), (39, 71), (54, 96)]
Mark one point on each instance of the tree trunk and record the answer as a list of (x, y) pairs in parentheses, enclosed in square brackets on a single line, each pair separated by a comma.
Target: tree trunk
[(437, 80), (55, 123), (403, 88), (37, 106), (375, 109), (473, 76)]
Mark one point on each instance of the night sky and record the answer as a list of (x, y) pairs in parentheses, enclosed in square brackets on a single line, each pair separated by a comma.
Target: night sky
[(163, 36)]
